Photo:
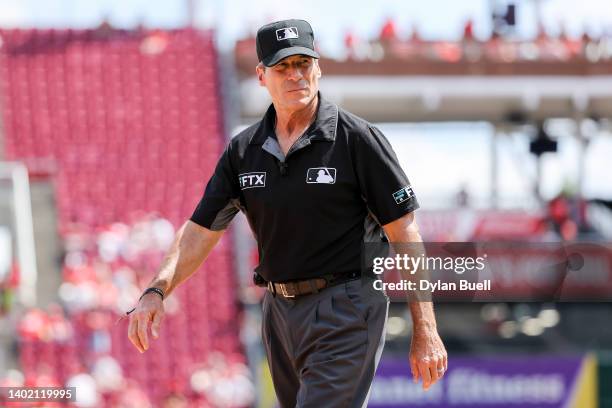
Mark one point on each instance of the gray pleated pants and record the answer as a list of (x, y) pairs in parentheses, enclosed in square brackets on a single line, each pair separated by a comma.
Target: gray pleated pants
[(323, 348)]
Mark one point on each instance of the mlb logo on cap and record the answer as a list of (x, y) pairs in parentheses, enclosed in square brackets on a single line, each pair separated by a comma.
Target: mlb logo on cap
[(286, 33), (282, 39)]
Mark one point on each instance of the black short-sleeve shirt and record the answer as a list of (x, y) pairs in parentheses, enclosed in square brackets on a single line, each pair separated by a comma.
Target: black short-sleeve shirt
[(312, 210)]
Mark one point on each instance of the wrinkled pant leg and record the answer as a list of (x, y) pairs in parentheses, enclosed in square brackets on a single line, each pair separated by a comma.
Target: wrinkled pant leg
[(278, 352), (338, 344)]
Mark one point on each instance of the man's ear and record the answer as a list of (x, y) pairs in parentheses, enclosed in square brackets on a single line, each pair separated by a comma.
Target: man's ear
[(259, 70), (319, 72)]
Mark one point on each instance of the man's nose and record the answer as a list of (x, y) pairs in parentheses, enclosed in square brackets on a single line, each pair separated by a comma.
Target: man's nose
[(294, 73)]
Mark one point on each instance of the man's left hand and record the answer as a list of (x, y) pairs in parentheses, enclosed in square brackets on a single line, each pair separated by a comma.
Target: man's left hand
[(428, 358)]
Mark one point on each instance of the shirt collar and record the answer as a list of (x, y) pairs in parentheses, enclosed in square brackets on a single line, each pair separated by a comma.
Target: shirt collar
[(323, 128)]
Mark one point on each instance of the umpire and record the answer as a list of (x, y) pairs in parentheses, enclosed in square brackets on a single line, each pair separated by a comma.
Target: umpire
[(315, 182)]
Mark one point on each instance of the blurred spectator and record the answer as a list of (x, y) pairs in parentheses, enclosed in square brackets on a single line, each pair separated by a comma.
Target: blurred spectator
[(12, 378), (463, 197), (108, 374), (87, 392), (388, 32), (111, 241), (415, 35), (468, 30), (350, 40), (163, 233), (175, 400), (500, 48), (448, 51), (223, 383), (34, 325), (131, 396), (154, 43), (567, 214), (98, 324), (356, 49), (103, 272), (107, 277), (48, 326), (59, 326), (572, 46)]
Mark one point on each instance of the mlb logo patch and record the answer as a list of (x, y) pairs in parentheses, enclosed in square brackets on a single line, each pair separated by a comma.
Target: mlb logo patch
[(402, 195), (321, 175), (252, 180), (286, 33)]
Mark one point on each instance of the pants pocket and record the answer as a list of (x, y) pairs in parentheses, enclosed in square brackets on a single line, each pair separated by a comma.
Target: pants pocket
[(354, 298)]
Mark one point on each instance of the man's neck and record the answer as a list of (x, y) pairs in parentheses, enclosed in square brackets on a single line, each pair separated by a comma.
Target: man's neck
[(288, 123)]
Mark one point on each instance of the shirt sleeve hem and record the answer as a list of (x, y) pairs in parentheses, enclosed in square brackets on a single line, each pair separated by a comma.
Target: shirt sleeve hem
[(409, 207), (199, 222)]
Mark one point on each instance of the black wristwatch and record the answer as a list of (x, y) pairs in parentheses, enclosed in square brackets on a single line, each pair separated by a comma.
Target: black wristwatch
[(152, 289)]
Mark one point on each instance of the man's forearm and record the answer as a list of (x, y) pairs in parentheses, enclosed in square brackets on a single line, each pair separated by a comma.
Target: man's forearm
[(422, 314), (420, 304), (428, 357), (190, 248), (404, 233)]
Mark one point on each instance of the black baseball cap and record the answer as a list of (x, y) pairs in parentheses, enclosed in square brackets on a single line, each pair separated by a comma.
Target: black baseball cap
[(282, 39)]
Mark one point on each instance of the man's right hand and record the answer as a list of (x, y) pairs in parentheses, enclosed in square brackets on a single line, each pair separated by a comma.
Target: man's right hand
[(191, 246), (150, 309)]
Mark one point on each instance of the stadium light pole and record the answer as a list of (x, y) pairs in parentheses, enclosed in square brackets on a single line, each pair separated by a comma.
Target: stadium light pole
[(494, 168), (26, 250)]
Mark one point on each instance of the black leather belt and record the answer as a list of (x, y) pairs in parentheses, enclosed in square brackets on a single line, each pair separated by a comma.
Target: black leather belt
[(303, 287)]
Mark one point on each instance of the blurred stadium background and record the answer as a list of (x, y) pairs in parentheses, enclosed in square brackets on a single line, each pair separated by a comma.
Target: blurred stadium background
[(110, 126)]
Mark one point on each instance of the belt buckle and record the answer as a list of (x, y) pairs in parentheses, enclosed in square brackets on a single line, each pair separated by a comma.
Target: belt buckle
[(283, 289)]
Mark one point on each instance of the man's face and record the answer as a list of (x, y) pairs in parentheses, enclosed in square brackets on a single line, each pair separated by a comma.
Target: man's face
[(293, 82)]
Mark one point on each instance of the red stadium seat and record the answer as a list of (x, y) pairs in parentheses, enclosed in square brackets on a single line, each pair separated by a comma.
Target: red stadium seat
[(129, 132)]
